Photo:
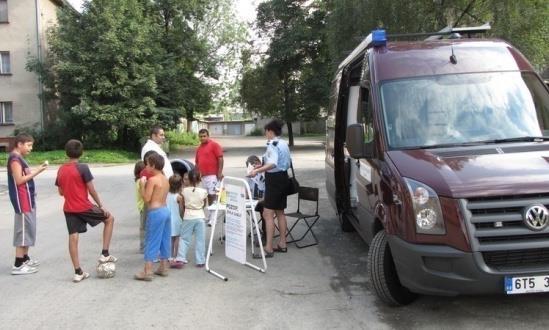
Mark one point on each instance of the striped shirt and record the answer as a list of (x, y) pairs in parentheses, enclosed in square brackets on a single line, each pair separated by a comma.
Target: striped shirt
[(21, 196)]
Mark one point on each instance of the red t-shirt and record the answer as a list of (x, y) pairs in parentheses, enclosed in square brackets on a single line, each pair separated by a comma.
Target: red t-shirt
[(145, 173), (207, 156), (72, 178)]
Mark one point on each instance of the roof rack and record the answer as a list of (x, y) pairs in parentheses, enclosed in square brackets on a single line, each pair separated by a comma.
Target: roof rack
[(469, 30), (447, 31), (357, 52)]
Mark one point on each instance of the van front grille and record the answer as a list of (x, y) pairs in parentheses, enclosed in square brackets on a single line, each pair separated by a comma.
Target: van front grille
[(516, 258), (497, 230)]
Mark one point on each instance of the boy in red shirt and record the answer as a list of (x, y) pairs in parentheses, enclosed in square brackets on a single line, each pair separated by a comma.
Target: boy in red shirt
[(74, 182)]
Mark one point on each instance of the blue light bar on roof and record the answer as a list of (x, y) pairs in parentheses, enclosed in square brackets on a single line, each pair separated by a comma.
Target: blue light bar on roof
[(379, 38)]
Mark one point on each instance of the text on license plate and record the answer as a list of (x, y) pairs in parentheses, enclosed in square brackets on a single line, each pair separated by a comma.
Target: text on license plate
[(527, 284)]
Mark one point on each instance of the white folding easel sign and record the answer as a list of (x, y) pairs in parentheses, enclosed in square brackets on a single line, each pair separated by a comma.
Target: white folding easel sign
[(235, 223), (239, 205)]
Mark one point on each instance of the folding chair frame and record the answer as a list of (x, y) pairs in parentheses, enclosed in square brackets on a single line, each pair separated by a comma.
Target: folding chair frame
[(307, 194)]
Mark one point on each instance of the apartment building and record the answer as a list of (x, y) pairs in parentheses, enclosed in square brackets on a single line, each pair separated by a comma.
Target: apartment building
[(23, 27)]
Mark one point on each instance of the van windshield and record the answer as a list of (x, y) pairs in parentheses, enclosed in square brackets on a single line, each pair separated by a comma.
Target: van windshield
[(464, 108)]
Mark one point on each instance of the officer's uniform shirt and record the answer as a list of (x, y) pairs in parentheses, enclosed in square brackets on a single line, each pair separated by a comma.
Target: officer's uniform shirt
[(277, 153)]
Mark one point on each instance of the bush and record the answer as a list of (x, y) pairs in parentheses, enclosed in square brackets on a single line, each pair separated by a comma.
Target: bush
[(256, 132), (53, 137), (184, 138)]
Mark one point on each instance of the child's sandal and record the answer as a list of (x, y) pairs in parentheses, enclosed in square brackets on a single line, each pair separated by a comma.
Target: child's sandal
[(141, 276), (162, 273)]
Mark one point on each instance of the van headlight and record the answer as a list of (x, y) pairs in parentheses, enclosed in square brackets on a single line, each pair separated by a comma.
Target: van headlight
[(427, 211)]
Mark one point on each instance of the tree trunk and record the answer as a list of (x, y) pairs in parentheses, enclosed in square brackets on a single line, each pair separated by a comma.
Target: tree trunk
[(290, 133), (190, 117), (288, 111)]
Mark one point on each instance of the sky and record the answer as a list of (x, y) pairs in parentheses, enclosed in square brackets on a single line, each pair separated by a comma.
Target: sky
[(244, 8)]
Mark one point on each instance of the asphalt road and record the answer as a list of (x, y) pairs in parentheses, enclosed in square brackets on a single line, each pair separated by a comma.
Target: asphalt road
[(319, 287)]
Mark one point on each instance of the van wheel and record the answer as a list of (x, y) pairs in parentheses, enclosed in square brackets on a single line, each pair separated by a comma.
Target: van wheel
[(346, 225), (383, 275)]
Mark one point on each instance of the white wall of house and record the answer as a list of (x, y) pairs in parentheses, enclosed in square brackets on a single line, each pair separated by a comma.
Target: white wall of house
[(19, 38)]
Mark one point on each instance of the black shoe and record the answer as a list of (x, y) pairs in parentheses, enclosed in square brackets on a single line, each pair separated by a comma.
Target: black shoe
[(280, 249), (267, 255)]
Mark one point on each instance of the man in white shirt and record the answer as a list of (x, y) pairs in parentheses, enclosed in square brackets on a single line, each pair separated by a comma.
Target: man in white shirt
[(157, 137)]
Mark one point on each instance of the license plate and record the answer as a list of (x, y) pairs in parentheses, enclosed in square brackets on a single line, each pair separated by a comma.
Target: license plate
[(526, 284)]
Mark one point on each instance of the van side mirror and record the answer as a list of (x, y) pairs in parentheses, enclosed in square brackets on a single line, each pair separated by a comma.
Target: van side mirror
[(355, 142)]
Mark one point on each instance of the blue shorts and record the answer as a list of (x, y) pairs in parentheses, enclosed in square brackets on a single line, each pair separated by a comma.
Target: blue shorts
[(158, 240)]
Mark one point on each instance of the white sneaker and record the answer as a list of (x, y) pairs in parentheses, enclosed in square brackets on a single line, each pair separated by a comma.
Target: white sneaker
[(78, 278), (24, 269), (102, 259), (33, 262)]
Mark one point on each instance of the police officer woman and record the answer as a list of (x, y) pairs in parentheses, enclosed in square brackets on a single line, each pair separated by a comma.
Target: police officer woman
[(275, 165)]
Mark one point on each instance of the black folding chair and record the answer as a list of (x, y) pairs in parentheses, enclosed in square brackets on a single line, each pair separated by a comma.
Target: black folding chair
[(307, 202)]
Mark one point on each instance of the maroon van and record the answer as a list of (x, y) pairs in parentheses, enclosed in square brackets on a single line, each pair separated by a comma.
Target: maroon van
[(437, 154)]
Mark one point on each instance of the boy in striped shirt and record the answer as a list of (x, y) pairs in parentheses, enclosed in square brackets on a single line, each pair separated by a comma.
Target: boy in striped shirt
[(22, 197)]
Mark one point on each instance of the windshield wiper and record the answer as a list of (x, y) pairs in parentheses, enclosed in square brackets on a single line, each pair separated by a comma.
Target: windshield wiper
[(520, 139), (450, 145), (477, 143)]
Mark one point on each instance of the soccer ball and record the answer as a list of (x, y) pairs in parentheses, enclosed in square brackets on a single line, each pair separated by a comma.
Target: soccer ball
[(106, 270)]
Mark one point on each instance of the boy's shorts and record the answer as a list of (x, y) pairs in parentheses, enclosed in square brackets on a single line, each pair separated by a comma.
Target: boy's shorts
[(24, 228), (210, 183), (76, 222)]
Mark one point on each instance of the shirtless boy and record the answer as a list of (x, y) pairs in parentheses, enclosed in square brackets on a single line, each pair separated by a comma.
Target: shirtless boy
[(157, 241)]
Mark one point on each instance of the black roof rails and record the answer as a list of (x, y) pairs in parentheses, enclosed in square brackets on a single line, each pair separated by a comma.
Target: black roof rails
[(447, 31), (367, 42)]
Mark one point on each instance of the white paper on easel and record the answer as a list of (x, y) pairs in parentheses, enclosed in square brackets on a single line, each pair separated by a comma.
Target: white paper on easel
[(235, 223)]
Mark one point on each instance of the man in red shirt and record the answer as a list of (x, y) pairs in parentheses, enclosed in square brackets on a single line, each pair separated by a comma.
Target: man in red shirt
[(74, 182), (209, 161)]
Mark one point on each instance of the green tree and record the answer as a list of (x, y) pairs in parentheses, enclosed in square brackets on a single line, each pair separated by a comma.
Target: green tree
[(226, 39), (121, 66), (181, 54), (523, 23), (258, 91), (293, 70), (101, 69)]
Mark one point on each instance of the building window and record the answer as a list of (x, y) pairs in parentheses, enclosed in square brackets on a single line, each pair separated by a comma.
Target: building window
[(6, 113), (3, 11), (5, 65)]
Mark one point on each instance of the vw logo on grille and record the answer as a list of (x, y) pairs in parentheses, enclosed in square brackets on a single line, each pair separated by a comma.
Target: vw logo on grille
[(536, 217)]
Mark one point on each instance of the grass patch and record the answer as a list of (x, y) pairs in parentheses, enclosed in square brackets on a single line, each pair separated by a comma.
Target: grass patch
[(89, 156)]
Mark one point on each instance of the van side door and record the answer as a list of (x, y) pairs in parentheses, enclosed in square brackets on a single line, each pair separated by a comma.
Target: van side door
[(367, 173), (329, 165)]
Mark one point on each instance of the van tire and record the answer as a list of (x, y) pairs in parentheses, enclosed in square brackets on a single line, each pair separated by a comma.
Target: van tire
[(383, 274), (345, 222)]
